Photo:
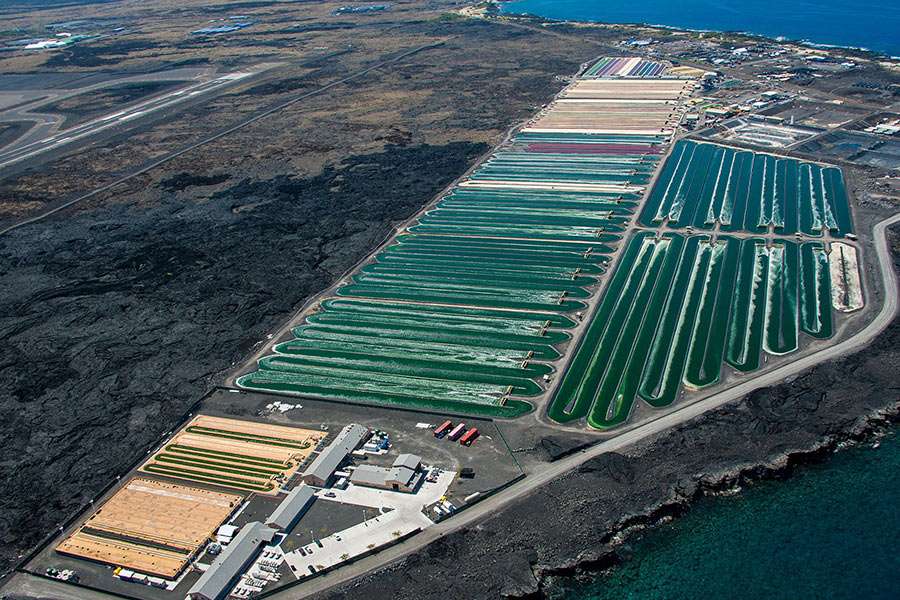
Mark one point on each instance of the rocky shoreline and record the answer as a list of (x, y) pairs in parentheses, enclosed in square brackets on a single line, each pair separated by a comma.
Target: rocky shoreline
[(588, 565), (571, 527)]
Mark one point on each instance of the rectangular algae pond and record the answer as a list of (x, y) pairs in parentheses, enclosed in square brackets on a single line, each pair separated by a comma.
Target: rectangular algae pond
[(704, 185), (443, 322), (625, 67), (677, 308)]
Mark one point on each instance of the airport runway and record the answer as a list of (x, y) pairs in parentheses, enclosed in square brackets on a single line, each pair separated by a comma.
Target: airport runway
[(46, 135), (22, 101), (222, 133)]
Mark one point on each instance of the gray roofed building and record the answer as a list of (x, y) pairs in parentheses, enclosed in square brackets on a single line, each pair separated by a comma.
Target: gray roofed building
[(228, 566), (370, 475), (410, 461), (291, 508), (400, 479), (324, 466), (401, 476)]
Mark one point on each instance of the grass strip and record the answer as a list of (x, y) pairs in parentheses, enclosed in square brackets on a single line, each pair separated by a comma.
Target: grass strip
[(207, 464), (230, 455), (208, 478), (249, 437)]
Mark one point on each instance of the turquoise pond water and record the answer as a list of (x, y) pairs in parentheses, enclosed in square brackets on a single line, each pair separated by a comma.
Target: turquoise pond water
[(873, 25), (830, 531)]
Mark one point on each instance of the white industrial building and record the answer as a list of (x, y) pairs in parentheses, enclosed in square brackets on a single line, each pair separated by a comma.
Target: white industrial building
[(291, 508), (232, 562)]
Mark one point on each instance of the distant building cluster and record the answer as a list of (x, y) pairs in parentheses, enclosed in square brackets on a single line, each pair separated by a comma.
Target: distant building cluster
[(222, 28), (364, 8)]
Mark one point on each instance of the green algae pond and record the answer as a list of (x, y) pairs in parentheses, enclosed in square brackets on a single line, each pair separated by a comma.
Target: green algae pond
[(578, 168), (464, 309), (678, 308), (704, 184)]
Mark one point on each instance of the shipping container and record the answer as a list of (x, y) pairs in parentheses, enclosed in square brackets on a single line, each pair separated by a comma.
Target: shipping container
[(442, 430), (457, 432), (470, 436)]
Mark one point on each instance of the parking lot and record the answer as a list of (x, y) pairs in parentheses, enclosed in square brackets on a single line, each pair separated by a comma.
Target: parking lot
[(400, 514)]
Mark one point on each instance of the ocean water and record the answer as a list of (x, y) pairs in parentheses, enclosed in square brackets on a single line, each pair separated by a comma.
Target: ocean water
[(829, 531), (873, 25)]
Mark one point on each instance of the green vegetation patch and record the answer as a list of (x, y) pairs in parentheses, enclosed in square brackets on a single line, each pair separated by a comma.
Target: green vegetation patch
[(228, 481), (230, 456), (250, 471), (248, 437)]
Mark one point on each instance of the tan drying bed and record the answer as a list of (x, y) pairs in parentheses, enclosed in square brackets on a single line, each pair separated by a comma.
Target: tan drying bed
[(153, 527), (216, 450)]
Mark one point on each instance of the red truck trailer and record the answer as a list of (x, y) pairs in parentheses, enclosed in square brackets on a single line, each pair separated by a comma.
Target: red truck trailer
[(442, 430), (470, 436)]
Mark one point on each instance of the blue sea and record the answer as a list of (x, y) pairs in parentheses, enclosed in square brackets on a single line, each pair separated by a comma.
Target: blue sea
[(828, 532), (872, 25)]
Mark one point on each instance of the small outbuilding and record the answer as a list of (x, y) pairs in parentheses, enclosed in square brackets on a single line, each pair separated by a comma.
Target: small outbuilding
[(410, 461)]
